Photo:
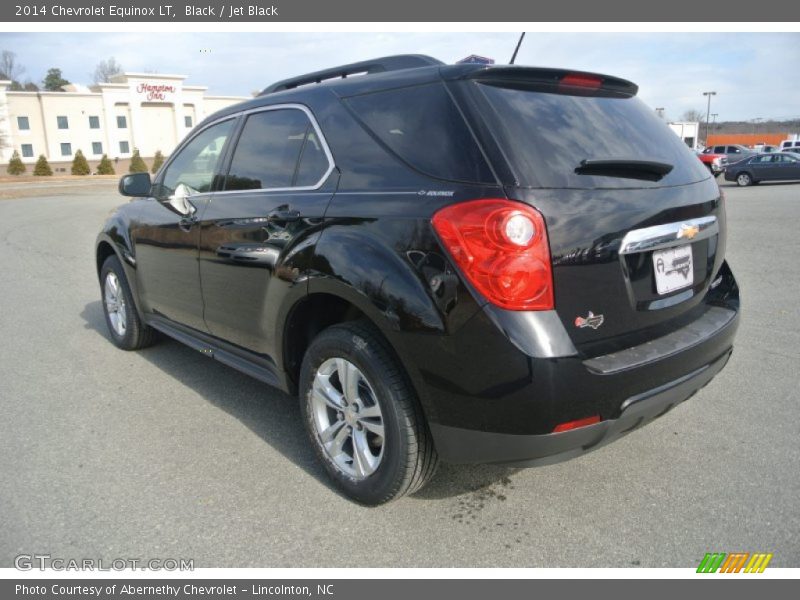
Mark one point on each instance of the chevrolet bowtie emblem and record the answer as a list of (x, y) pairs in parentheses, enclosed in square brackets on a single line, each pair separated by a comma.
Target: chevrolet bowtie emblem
[(688, 231)]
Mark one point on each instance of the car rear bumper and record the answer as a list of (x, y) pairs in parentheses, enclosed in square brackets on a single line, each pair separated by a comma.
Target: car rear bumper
[(458, 445), (508, 398)]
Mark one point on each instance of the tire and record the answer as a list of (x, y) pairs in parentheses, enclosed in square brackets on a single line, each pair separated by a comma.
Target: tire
[(397, 463), (744, 179), (124, 325)]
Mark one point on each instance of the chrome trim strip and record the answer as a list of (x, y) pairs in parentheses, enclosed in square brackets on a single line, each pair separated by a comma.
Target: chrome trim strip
[(668, 235)]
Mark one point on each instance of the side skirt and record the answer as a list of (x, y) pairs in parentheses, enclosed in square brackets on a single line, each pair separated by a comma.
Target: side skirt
[(255, 366)]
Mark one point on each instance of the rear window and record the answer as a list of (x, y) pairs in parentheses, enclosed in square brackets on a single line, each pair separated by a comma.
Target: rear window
[(545, 136), (423, 127)]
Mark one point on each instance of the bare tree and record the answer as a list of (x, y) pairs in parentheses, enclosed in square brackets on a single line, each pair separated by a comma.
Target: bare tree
[(694, 116), (9, 68), (106, 69)]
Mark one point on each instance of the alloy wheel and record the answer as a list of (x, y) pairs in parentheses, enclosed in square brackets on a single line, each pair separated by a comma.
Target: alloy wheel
[(347, 418), (114, 300)]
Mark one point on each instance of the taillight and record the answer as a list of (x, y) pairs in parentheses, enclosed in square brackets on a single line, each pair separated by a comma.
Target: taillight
[(501, 247), (577, 424)]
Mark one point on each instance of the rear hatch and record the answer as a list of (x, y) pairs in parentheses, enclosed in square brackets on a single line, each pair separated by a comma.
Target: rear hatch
[(635, 222)]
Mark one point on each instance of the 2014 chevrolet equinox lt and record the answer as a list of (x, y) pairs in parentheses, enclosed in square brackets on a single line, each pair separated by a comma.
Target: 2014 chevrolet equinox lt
[(445, 262)]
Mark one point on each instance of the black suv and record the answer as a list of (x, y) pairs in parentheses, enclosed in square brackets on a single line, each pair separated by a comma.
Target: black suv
[(463, 263)]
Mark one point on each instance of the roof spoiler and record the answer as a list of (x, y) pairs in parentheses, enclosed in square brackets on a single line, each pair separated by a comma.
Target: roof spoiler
[(377, 65), (565, 80)]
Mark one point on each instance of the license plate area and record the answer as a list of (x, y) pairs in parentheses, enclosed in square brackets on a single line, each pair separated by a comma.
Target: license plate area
[(673, 269)]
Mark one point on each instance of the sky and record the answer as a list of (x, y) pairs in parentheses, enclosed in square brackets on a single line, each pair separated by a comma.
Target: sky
[(754, 74)]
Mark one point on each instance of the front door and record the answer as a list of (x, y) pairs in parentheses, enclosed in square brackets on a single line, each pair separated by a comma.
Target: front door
[(259, 228), (166, 236)]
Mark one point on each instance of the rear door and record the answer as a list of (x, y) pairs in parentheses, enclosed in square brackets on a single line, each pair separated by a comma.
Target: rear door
[(627, 241), (256, 229), (789, 166)]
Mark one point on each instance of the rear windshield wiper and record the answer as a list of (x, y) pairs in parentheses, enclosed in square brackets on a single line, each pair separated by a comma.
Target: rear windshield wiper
[(649, 170)]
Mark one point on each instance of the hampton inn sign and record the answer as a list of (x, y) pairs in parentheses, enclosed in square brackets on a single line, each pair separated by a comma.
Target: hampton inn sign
[(147, 111)]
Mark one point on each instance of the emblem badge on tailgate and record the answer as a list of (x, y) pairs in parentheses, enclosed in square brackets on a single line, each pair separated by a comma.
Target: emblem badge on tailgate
[(591, 320), (688, 231)]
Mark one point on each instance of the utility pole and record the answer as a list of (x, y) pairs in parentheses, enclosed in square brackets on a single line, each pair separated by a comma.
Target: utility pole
[(708, 111)]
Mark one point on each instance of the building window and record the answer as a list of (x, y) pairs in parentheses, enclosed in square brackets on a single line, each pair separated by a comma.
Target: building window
[(94, 122), (122, 122), (23, 123), (63, 122), (97, 148), (187, 120), (27, 150), (66, 149), (124, 148)]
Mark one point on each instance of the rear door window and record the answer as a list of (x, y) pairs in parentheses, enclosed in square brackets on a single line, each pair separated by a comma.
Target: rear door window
[(277, 149), (546, 136), (424, 128)]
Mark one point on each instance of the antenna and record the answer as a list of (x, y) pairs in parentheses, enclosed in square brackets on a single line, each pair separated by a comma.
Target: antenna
[(519, 43)]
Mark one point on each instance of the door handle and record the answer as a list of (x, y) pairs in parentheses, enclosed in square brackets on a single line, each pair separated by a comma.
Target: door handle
[(186, 223), (285, 216)]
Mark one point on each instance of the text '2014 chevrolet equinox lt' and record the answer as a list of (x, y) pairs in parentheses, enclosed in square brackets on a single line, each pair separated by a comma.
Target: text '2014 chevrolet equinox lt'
[(464, 263)]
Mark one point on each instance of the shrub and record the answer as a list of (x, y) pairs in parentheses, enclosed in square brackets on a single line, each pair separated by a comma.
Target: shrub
[(158, 160), (79, 164), (137, 164), (105, 167), (15, 165), (42, 167)]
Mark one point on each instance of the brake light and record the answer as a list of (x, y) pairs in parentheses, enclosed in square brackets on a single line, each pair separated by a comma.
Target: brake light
[(577, 423), (501, 247), (580, 80)]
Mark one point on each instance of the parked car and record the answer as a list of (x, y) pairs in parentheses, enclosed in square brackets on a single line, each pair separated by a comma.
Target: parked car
[(780, 166), (467, 263), (733, 152), (764, 148), (713, 162), (790, 145)]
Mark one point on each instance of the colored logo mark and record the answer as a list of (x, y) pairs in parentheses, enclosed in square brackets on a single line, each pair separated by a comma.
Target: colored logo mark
[(734, 562)]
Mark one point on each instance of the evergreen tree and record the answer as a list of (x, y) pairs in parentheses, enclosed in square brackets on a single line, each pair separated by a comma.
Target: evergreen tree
[(158, 160), (105, 167), (42, 167), (137, 164), (15, 165), (53, 81), (79, 164)]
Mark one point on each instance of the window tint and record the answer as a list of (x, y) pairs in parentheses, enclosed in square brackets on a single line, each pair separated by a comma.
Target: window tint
[(63, 122), (424, 128), (785, 158), (734, 150), (23, 123), (762, 159), (547, 135), (719, 149), (27, 150), (196, 164), (94, 122), (313, 161), (268, 150)]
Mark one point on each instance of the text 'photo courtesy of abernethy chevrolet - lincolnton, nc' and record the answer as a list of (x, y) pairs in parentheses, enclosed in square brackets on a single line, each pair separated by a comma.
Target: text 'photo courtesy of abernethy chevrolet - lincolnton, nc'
[(460, 263)]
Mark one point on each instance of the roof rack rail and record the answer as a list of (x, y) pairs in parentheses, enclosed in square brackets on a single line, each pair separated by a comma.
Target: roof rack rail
[(377, 65)]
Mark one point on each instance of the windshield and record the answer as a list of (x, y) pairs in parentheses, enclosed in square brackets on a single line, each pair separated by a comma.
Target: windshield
[(546, 136)]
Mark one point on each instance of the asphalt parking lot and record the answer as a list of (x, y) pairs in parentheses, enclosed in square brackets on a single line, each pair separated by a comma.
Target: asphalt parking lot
[(167, 454)]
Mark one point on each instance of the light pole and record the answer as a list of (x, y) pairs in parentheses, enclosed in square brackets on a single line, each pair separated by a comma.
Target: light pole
[(660, 112), (708, 111)]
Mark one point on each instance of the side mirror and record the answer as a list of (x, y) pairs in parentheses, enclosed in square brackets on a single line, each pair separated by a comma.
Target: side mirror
[(135, 184)]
